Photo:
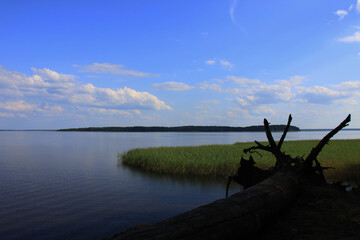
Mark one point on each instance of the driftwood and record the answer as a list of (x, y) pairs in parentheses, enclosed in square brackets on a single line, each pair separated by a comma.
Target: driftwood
[(241, 214), (248, 175), (309, 169)]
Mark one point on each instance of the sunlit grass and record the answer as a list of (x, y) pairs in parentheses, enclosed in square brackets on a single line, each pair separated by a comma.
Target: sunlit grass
[(223, 160)]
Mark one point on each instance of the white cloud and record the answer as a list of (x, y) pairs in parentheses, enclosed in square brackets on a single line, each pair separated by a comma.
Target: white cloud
[(350, 7), (346, 101), (123, 98), (241, 102), (7, 115), (349, 85), (20, 106), (262, 110), (262, 93), (17, 106), (275, 93), (104, 111), (50, 86), (242, 80), (172, 86), (353, 38), (214, 85), (295, 80), (226, 65), (51, 110), (232, 10), (109, 68), (211, 102), (341, 14), (358, 6), (51, 75), (253, 93), (319, 94)]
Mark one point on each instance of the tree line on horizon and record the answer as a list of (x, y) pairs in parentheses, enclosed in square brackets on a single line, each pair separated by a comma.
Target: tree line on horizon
[(258, 128)]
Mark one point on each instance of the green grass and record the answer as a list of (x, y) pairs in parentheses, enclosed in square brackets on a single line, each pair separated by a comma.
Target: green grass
[(223, 160)]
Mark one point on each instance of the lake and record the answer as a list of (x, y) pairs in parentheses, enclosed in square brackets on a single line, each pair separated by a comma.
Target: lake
[(69, 185)]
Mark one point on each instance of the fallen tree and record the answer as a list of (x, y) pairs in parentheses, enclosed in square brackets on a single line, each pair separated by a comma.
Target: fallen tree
[(240, 215)]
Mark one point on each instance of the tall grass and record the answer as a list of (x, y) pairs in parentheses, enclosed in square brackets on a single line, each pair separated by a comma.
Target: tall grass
[(223, 160)]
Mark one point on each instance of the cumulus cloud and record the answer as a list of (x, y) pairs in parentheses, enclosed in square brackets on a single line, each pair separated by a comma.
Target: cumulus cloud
[(172, 86), (268, 94), (53, 76), (254, 92), (353, 38), (250, 94), (349, 85), (7, 115), (122, 98), (262, 110), (242, 80), (210, 62), (109, 68), (49, 86), (241, 102), (319, 94), (214, 85), (341, 14), (293, 81), (17, 106)]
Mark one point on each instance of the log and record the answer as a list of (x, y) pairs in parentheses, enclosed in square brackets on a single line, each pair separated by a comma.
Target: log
[(242, 214), (237, 216)]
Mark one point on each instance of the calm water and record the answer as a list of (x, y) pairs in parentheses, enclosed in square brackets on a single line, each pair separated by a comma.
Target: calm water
[(68, 185)]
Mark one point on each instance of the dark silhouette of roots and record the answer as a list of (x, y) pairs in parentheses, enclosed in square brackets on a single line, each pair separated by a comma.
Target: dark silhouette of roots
[(309, 168)]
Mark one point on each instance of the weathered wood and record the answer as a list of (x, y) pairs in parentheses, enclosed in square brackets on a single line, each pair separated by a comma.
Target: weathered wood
[(248, 175), (315, 151), (285, 132), (237, 216)]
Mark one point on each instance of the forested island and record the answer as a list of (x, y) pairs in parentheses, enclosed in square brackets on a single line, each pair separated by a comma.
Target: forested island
[(274, 128)]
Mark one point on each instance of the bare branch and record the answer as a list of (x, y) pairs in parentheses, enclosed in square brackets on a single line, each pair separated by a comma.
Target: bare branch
[(259, 146), (315, 151), (269, 135), (284, 133)]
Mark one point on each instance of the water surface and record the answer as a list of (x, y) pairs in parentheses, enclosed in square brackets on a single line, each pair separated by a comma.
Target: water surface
[(68, 185)]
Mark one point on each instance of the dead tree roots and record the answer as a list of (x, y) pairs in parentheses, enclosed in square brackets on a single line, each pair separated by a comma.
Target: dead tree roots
[(308, 169), (267, 193)]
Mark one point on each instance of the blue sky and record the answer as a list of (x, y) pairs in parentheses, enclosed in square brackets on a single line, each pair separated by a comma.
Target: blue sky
[(168, 63)]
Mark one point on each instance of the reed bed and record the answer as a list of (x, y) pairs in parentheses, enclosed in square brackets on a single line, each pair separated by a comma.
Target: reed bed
[(223, 160)]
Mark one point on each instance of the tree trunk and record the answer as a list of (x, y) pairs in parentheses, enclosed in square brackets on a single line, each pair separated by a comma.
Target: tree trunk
[(239, 215), (243, 213)]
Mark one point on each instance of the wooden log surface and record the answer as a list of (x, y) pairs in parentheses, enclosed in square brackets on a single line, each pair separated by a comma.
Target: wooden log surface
[(236, 217)]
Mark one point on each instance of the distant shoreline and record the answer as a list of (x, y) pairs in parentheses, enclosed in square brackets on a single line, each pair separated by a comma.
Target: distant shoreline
[(87, 130), (260, 128)]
